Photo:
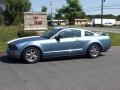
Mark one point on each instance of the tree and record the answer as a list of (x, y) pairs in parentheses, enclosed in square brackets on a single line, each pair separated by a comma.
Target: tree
[(107, 16), (44, 9), (72, 11), (14, 10), (1, 10), (49, 17), (1, 5), (118, 18)]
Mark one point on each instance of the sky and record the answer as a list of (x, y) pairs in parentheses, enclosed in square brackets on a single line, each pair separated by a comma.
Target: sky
[(89, 6)]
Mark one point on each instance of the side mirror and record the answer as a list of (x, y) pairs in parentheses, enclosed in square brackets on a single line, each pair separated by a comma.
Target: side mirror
[(58, 38)]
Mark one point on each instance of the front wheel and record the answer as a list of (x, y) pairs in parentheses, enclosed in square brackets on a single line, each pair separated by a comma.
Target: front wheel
[(94, 51), (31, 55)]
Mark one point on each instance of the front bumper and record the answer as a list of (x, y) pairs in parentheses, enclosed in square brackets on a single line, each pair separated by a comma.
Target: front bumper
[(13, 54)]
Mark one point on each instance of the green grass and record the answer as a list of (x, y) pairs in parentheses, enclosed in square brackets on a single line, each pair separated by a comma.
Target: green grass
[(3, 46), (115, 37), (7, 33), (10, 32)]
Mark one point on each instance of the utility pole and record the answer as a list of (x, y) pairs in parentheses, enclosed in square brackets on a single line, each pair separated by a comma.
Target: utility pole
[(102, 12), (70, 21), (51, 11), (70, 16)]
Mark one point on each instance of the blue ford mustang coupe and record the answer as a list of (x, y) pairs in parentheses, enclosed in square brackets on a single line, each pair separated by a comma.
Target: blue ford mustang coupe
[(59, 42)]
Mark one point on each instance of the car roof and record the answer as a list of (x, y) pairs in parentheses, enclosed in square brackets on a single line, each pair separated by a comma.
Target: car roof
[(58, 27), (76, 29), (66, 28)]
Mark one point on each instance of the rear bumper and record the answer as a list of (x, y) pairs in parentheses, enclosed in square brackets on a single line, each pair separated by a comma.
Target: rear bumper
[(13, 54), (106, 47)]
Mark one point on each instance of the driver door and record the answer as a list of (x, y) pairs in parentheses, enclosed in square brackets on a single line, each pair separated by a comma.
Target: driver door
[(62, 44)]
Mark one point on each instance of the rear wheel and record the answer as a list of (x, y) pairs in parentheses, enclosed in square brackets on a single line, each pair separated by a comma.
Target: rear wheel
[(94, 51), (31, 55)]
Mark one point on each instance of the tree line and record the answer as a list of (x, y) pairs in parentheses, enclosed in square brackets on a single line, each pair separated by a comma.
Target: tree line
[(11, 11), (107, 16), (71, 11)]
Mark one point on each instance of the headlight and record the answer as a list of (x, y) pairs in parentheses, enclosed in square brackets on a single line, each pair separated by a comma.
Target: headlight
[(12, 47)]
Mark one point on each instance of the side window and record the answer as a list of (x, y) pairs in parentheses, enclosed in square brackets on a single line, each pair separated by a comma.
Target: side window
[(67, 34), (88, 33), (70, 33), (77, 33)]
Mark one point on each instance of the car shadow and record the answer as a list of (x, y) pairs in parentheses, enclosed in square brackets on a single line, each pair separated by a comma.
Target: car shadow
[(5, 59)]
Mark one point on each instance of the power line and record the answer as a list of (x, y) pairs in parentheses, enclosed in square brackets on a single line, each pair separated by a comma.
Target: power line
[(112, 5), (93, 10), (107, 5), (103, 7), (112, 8), (100, 9)]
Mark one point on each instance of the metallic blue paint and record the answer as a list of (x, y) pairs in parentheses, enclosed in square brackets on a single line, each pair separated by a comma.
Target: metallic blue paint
[(50, 47)]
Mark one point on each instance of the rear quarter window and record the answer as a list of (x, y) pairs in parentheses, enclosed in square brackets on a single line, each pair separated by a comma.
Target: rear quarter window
[(87, 33)]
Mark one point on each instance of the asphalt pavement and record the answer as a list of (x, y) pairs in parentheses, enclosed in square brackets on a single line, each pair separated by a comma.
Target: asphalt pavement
[(73, 73)]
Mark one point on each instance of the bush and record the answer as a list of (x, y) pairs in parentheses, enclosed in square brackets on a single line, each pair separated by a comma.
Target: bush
[(8, 32), (26, 34)]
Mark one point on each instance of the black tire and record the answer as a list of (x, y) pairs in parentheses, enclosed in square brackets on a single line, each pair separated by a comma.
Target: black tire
[(31, 55), (93, 51)]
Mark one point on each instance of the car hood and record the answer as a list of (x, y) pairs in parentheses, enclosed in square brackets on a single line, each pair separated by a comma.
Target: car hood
[(25, 39)]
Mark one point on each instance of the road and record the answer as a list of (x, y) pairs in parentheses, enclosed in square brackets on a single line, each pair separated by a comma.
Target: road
[(74, 73), (113, 29), (104, 29)]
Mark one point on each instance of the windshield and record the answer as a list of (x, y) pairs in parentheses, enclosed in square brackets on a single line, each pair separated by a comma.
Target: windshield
[(51, 33)]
